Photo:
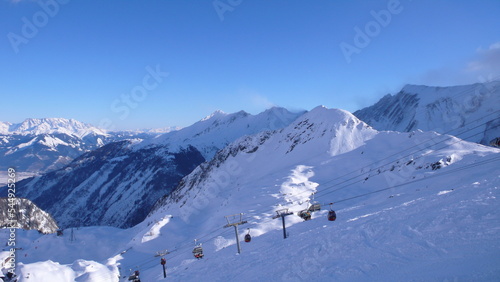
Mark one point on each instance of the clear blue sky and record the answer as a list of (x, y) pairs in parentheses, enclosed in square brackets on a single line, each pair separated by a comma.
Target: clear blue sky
[(81, 59)]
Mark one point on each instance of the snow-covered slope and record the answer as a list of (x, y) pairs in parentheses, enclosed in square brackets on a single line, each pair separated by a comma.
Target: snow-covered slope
[(415, 206), (26, 216), (118, 183), (471, 112)]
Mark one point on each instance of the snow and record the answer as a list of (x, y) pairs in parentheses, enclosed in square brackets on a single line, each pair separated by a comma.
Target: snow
[(154, 232), (52, 142), (399, 218), (37, 126)]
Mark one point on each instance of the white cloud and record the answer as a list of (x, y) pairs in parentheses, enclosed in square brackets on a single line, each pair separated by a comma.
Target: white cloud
[(483, 66), (487, 60)]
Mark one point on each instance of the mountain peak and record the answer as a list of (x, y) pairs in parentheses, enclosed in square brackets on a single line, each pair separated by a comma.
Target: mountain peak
[(215, 114), (442, 109)]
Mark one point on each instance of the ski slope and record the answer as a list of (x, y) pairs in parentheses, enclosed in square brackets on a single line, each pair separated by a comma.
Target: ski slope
[(415, 206)]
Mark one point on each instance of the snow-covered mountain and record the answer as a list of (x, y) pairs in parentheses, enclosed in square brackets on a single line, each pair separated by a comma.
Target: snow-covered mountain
[(415, 206), (26, 215), (471, 112), (40, 145), (37, 126), (215, 131), (118, 183)]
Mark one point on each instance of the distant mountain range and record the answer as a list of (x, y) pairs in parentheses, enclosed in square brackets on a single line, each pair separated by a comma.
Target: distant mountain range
[(41, 145)]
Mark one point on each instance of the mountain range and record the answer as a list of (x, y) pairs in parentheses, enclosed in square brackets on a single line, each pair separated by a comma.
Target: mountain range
[(118, 183), (39, 145), (410, 206)]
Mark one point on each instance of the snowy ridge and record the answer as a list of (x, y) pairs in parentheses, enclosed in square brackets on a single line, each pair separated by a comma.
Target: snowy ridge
[(215, 131), (470, 112)]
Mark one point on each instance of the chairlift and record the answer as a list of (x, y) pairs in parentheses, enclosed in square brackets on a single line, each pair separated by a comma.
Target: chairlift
[(198, 251), (248, 238), (331, 214), (134, 277), (315, 205), (305, 215)]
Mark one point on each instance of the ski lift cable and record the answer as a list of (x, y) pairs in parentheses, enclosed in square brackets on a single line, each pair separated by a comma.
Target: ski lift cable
[(410, 148), (422, 179), (327, 190), (444, 133), (362, 175)]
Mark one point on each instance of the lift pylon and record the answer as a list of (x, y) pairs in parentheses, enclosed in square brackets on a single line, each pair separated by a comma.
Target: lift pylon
[(236, 219), (282, 213)]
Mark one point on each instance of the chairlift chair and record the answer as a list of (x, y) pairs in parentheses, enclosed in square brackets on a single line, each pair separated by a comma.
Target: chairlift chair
[(305, 215), (134, 277), (315, 206), (198, 251)]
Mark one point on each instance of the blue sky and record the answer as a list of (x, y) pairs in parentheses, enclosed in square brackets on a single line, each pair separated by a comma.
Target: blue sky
[(146, 64)]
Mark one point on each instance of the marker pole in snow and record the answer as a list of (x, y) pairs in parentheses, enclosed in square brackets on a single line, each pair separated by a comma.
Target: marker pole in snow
[(235, 224), (282, 213)]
